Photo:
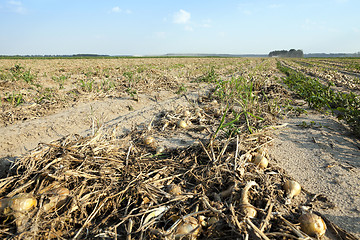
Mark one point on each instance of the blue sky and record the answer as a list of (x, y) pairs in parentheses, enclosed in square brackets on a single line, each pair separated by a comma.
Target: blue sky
[(140, 27)]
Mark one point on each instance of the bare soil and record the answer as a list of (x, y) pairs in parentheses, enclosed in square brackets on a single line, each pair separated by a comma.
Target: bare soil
[(325, 159), (316, 150)]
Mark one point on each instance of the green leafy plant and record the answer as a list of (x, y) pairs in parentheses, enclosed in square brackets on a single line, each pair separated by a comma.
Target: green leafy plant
[(128, 75), (238, 91), (107, 85), (14, 98), (87, 85), (209, 77), (60, 80), (182, 89), (45, 95), (133, 93), (19, 73), (345, 106)]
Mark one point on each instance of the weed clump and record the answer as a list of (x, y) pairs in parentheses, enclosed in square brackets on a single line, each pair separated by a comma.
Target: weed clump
[(345, 106)]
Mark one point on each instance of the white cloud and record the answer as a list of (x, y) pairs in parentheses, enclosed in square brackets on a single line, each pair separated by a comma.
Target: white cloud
[(247, 12), (311, 25), (356, 30), (181, 17), (16, 6), (116, 9)]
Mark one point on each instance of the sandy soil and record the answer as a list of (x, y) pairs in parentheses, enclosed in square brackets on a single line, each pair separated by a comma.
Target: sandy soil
[(325, 159), (123, 114), (321, 155), (316, 150)]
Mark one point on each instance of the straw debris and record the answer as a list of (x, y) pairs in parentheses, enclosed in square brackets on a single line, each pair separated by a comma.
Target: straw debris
[(117, 187)]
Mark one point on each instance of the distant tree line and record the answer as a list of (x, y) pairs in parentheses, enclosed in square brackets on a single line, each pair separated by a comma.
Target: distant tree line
[(292, 53)]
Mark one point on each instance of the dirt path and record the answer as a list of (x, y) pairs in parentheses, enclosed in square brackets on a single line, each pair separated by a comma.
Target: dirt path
[(325, 159), (124, 113)]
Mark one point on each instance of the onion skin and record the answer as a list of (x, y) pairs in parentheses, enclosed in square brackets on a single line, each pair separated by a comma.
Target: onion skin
[(247, 209), (189, 228), (182, 124), (22, 202), (292, 189), (58, 198), (160, 150), (174, 189), (312, 224), (149, 140), (260, 161), (4, 203)]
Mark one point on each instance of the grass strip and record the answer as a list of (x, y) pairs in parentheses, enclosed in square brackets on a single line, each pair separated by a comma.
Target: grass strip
[(345, 106)]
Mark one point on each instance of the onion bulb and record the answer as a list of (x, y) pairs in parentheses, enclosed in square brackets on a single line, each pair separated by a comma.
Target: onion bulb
[(189, 226), (57, 199), (292, 189), (174, 189), (182, 124), (22, 202), (160, 150), (247, 209), (312, 225), (149, 140), (18, 206), (260, 161), (187, 113)]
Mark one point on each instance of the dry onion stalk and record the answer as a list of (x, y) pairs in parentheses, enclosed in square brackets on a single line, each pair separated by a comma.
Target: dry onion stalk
[(174, 189), (247, 209)]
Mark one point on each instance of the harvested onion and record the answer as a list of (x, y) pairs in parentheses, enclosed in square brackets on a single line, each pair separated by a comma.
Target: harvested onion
[(57, 199), (187, 113), (22, 202), (174, 189), (18, 206), (312, 224), (182, 124), (260, 161), (149, 140), (247, 209), (189, 226), (160, 150), (292, 189)]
